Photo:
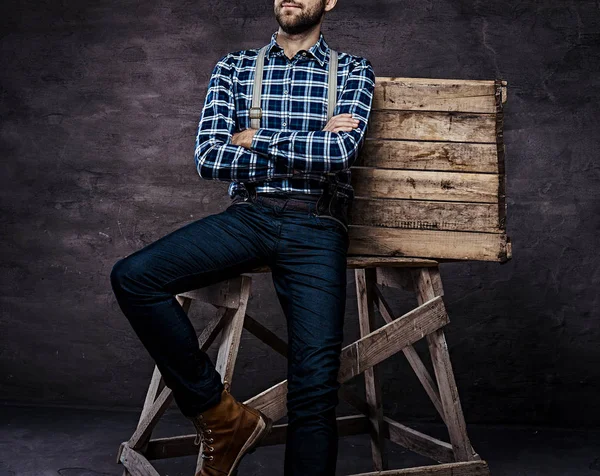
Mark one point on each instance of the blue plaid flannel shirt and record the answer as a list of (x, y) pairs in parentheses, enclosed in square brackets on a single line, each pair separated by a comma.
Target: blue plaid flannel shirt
[(290, 152)]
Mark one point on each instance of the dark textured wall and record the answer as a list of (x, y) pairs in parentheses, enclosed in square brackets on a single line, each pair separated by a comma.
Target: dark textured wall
[(99, 105)]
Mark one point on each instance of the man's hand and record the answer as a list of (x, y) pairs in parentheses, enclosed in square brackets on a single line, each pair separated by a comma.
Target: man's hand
[(341, 122), (243, 138)]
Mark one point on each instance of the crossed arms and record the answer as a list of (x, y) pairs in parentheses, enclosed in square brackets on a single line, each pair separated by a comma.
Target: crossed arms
[(278, 154)]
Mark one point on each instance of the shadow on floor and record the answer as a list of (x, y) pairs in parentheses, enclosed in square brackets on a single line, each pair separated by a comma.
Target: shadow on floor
[(45, 441)]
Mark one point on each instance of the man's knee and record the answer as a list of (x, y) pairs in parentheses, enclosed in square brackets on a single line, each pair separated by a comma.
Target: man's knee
[(126, 273), (313, 381), (117, 273)]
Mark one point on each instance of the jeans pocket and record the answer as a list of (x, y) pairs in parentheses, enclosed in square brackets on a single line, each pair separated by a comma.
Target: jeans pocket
[(331, 222)]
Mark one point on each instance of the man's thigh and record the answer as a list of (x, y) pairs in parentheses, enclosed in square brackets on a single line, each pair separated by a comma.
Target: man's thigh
[(309, 275), (203, 252)]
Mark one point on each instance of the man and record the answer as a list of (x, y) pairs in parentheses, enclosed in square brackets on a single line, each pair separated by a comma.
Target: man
[(290, 185)]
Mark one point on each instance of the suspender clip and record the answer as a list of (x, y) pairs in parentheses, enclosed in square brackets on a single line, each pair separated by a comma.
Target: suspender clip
[(255, 112)]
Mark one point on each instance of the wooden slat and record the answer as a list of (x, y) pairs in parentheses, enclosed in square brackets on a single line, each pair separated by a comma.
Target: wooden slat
[(434, 94), (154, 412), (232, 332), (409, 438), (427, 243), (418, 442), (470, 468), (136, 464), (366, 280), (365, 352), (438, 349), (419, 155), (413, 358), (424, 185), (183, 445), (266, 335), (144, 430), (425, 215), (389, 261), (440, 126)]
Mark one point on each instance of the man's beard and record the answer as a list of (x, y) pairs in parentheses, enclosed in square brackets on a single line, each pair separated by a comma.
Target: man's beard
[(301, 22)]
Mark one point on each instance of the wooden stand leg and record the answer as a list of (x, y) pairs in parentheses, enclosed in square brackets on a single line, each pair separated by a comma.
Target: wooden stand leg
[(157, 384), (365, 281), (428, 285), (230, 297), (230, 342)]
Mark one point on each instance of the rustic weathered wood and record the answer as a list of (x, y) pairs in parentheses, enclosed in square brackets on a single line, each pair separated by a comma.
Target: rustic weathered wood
[(233, 323), (136, 464), (402, 435), (232, 332), (499, 92), (425, 185), (413, 359), (430, 179), (418, 442), (432, 94), (183, 445), (471, 468), (365, 352), (365, 282), (426, 215), (366, 240), (432, 125), (156, 409), (420, 155), (442, 366)]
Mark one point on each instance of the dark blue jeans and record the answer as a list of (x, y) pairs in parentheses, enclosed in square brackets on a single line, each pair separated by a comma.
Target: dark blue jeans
[(307, 256)]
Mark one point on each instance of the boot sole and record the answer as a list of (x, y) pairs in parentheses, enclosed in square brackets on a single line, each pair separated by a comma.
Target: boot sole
[(260, 432)]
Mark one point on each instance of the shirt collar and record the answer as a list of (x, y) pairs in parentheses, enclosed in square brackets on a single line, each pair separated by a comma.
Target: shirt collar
[(318, 51)]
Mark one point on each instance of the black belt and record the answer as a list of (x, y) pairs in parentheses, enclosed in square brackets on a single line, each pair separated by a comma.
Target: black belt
[(321, 204), (301, 203)]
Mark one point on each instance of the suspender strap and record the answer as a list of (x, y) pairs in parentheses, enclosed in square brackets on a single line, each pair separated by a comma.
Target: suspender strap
[(256, 110), (332, 89)]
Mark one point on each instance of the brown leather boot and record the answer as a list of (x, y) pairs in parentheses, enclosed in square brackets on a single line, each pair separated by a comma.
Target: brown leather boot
[(228, 431)]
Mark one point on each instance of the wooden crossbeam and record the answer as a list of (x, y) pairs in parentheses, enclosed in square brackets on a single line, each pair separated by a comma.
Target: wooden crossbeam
[(183, 445), (402, 435), (135, 463), (397, 433), (425, 445), (418, 442), (470, 468), (267, 336), (153, 412), (366, 352), (232, 333), (413, 359), (428, 284)]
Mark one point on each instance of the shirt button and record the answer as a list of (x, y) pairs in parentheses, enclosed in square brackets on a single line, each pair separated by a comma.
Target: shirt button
[(285, 91), (304, 53), (284, 124)]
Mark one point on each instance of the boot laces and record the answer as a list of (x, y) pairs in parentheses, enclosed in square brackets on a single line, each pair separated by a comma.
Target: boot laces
[(202, 431)]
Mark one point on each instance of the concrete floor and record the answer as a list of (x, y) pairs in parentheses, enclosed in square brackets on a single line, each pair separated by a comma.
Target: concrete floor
[(36, 441)]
